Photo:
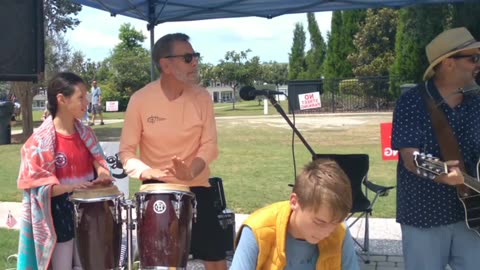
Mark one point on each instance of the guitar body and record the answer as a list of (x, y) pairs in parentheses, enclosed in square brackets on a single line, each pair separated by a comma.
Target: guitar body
[(468, 193), (471, 203)]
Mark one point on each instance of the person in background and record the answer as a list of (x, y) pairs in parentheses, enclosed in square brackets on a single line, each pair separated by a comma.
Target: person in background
[(97, 107), (46, 113), (86, 117), (306, 232), (50, 171), (171, 121)]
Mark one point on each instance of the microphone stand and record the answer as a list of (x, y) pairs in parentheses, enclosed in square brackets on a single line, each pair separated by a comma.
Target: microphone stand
[(284, 115)]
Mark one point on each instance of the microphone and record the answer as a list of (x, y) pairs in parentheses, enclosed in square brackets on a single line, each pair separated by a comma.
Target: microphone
[(249, 93), (471, 89)]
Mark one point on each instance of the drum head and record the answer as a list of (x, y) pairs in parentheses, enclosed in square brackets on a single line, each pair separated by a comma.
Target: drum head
[(96, 193), (164, 188)]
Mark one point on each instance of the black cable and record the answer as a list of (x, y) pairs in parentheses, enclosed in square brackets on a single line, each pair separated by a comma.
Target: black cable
[(290, 108)]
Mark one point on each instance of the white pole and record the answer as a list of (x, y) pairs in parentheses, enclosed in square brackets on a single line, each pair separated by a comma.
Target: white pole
[(265, 106)]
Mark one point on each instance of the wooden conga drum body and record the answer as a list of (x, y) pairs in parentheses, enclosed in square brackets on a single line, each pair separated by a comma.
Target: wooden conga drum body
[(164, 219), (98, 226)]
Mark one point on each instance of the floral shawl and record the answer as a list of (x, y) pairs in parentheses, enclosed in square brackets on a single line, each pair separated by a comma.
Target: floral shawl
[(36, 177)]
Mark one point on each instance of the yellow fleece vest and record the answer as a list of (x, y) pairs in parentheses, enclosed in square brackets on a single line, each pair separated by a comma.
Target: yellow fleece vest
[(269, 226)]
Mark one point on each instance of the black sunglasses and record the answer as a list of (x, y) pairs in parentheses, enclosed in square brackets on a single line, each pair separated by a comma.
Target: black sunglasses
[(188, 57), (474, 58)]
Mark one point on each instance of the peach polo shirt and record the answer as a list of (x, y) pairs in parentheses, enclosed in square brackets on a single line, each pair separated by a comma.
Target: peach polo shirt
[(160, 129)]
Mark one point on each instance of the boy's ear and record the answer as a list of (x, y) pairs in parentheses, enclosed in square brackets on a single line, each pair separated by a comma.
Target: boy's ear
[(294, 201)]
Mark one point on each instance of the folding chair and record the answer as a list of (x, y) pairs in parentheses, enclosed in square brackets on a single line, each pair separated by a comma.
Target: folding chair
[(356, 167)]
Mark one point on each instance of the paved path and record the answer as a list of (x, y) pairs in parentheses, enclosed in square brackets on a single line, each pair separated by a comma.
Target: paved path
[(106, 121)]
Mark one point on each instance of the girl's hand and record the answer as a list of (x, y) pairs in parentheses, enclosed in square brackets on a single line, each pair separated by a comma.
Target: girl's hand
[(103, 179), (79, 186)]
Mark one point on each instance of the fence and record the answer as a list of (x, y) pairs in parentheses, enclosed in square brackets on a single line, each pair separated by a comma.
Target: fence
[(366, 94)]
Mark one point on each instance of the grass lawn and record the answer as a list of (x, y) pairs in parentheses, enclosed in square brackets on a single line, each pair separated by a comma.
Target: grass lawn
[(246, 108), (9, 246), (255, 159)]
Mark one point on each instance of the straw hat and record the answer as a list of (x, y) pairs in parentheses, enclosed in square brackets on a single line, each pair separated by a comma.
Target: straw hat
[(447, 44)]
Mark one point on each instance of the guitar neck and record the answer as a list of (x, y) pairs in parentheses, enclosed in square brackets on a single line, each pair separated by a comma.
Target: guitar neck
[(471, 182)]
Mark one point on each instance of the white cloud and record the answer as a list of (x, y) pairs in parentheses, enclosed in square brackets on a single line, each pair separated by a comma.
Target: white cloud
[(92, 39), (268, 38)]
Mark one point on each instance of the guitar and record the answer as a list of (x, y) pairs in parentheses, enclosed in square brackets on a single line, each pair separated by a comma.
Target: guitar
[(468, 193)]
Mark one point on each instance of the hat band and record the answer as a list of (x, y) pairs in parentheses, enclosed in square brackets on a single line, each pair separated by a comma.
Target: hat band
[(459, 47), (463, 45)]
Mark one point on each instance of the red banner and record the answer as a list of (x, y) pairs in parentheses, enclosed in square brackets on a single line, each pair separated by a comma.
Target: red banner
[(386, 134)]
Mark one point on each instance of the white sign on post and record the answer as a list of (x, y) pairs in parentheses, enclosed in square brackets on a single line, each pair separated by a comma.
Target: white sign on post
[(309, 101), (110, 149), (112, 106)]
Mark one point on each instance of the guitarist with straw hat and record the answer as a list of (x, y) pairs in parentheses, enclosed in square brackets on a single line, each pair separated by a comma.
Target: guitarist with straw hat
[(432, 217)]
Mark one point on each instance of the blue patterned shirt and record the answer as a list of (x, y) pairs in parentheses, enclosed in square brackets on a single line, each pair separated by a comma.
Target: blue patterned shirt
[(421, 202)]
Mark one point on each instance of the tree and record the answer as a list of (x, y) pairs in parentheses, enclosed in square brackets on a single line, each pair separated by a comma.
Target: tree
[(416, 28), (58, 20), (24, 91), (316, 55), (4, 90), (297, 64), (351, 22), (374, 54), (333, 59), (58, 55), (58, 16), (375, 43), (129, 63), (466, 14), (275, 73), (237, 69), (207, 74)]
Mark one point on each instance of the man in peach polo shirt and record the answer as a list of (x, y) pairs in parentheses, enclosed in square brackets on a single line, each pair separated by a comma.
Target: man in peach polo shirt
[(171, 121)]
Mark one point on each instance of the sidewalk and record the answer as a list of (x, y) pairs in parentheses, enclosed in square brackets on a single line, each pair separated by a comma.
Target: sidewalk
[(106, 121), (385, 238)]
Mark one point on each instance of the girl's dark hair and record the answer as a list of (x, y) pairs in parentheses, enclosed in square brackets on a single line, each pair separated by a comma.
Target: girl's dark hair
[(62, 83)]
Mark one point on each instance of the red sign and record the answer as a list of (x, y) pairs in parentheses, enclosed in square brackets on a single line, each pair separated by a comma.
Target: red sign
[(386, 133)]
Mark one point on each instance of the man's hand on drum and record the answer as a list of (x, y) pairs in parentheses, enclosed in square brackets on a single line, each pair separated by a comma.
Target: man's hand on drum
[(154, 174), (180, 170)]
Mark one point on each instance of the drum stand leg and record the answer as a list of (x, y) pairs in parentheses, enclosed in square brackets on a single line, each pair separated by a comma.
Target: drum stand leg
[(130, 227)]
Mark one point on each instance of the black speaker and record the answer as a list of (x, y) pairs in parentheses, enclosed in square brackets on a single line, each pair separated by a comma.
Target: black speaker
[(22, 40)]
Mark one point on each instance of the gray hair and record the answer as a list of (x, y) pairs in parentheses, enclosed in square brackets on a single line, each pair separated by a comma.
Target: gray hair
[(164, 46)]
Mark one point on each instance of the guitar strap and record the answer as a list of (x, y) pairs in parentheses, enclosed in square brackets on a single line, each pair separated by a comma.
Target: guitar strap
[(446, 139)]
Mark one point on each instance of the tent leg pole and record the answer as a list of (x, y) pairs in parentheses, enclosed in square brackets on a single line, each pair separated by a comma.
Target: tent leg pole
[(152, 67)]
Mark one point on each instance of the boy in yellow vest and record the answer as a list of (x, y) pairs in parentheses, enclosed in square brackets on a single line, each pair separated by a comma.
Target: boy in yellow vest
[(306, 232)]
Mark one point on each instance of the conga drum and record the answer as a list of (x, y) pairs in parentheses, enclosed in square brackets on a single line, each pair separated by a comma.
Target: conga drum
[(98, 226), (164, 219)]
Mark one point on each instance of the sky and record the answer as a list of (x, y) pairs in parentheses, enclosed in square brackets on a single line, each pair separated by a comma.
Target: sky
[(270, 39)]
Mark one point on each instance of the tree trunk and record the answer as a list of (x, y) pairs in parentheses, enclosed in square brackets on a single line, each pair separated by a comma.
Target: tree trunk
[(234, 96), (24, 92)]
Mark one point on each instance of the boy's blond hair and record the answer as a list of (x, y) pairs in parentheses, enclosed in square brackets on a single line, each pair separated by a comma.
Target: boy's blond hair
[(323, 183)]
